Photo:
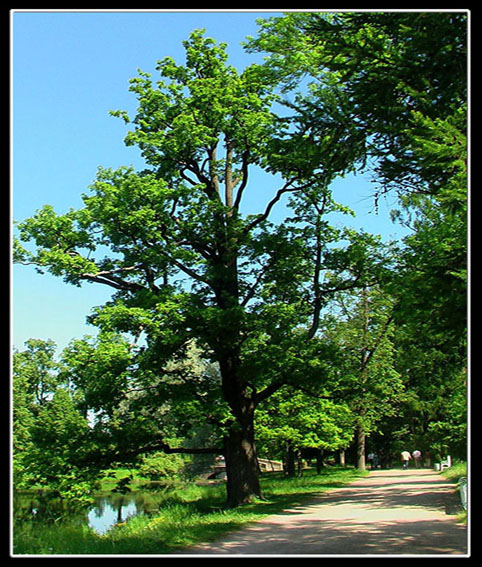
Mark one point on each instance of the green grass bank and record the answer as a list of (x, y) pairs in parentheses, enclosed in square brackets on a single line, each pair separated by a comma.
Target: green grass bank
[(187, 515)]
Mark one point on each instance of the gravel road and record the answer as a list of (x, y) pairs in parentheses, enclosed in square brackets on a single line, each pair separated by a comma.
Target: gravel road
[(390, 512)]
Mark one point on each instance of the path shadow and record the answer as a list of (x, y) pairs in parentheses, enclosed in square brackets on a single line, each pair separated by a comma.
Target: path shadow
[(404, 515), (313, 537)]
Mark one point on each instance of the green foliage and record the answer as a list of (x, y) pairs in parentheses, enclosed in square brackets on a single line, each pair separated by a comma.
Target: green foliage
[(183, 116), (36, 371), (400, 81), (160, 466), (294, 418), (60, 444), (99, 370), (370, 382), (400, 75), (34, 380), (456, 471), (214, 311)]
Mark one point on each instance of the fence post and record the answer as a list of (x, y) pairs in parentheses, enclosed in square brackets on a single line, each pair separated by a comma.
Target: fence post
[(463, 491)]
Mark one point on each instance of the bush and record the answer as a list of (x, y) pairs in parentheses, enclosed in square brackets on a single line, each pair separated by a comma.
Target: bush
[(161, 466)]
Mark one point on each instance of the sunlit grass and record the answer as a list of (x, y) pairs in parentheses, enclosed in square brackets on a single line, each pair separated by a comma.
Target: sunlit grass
[(454, 474)]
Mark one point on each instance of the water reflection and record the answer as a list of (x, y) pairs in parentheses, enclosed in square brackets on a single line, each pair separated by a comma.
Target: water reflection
[(109, 511), (106, 512)]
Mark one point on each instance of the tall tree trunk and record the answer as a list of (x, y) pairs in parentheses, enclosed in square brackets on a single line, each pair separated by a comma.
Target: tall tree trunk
[(242, 469), (360, 448)]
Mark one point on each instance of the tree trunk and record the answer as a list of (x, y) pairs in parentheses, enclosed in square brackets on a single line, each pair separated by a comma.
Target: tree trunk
[(342, 458), (360, 448), (242, 469), (289, 465), (299, 462), (320, 464)]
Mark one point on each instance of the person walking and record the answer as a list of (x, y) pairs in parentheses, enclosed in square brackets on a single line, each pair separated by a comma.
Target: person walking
[(375, 461), (405, 458), (417, 455)]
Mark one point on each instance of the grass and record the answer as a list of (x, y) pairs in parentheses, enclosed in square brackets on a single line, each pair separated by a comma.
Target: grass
[(186, 516), (454, 474)]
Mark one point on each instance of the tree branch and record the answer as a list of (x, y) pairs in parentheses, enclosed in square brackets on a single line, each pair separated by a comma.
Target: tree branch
[(268, 391), (378, 341), (106, 277), (316, 278), (262, 217), (252, 289), (190, 451), (285, 189), (228, 177), (257, 281), (244, 181), (210, 186), (110, 282), (101, 459)]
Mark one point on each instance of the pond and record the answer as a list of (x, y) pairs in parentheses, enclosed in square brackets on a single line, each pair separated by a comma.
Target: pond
[(103, 514), (109, 511)]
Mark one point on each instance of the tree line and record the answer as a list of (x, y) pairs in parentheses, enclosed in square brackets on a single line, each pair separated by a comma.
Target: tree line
[(227, 333)]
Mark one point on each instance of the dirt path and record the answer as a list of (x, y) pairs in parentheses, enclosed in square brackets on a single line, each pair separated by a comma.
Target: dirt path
[(391, 512)]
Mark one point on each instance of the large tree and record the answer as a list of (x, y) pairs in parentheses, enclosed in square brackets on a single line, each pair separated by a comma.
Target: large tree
[(400, 74), (187, 265)]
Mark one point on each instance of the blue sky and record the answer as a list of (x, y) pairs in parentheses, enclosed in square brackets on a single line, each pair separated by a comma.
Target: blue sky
[(68, 70)]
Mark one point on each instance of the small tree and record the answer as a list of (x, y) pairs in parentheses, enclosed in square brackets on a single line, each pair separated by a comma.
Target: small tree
[(293, 421)]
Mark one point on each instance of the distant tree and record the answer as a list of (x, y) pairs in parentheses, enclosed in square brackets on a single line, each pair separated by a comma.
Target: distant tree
[(37, 370), (435, 377), (294, 420), (34, 380), (61, 440), (50, 433), (369, 382)]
